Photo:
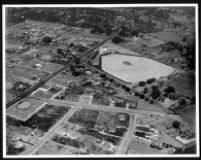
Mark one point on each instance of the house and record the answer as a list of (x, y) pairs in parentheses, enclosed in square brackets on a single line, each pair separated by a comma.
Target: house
[(119, 102), (129, 101), (37, 66)]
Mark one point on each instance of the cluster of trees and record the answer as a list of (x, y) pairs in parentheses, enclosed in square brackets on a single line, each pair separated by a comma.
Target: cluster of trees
[(190, 55), (151, 80), (101, 98), (169, 89), (98, 29), (13, 17), (127, 31), (117, 39), (171, 46), (160, 14), (187, 51), (47, 39)]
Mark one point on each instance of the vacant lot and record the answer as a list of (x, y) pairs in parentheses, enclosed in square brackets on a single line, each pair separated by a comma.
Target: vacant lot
[(52, 148), (143, 105), (184, 83), (13, 44), (167, 36), (140, 70)]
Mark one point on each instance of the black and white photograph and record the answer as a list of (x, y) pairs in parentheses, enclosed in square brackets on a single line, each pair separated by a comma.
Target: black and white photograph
[(103, 80)]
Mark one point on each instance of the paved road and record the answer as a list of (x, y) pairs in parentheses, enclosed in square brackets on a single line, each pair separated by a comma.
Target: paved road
[(107, 108), (127, 138), (50, 132)]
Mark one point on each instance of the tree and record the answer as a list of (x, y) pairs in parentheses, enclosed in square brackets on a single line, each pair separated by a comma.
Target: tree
[(127, 89), (60, 51), (176, 124), (169, 89), (72, 68), (71, 45), (155, 92), (145, 90), (47, 39), (182, 102), (141, 83), (184, 39), (77, 60)]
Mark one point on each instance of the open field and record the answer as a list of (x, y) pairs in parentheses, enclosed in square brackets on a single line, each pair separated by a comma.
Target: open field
[(9, 97), (135, 147), (119, 49), (49, 67), (27, 73), (63, 79), (141, 68), (189, 114)]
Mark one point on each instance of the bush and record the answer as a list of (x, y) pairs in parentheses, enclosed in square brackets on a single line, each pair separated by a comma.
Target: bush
[(176, 124), (111, 80), (142, 96), (71, 45), (182, 102), (141, 83), (47, 39), (193, 100), (151, 102)]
